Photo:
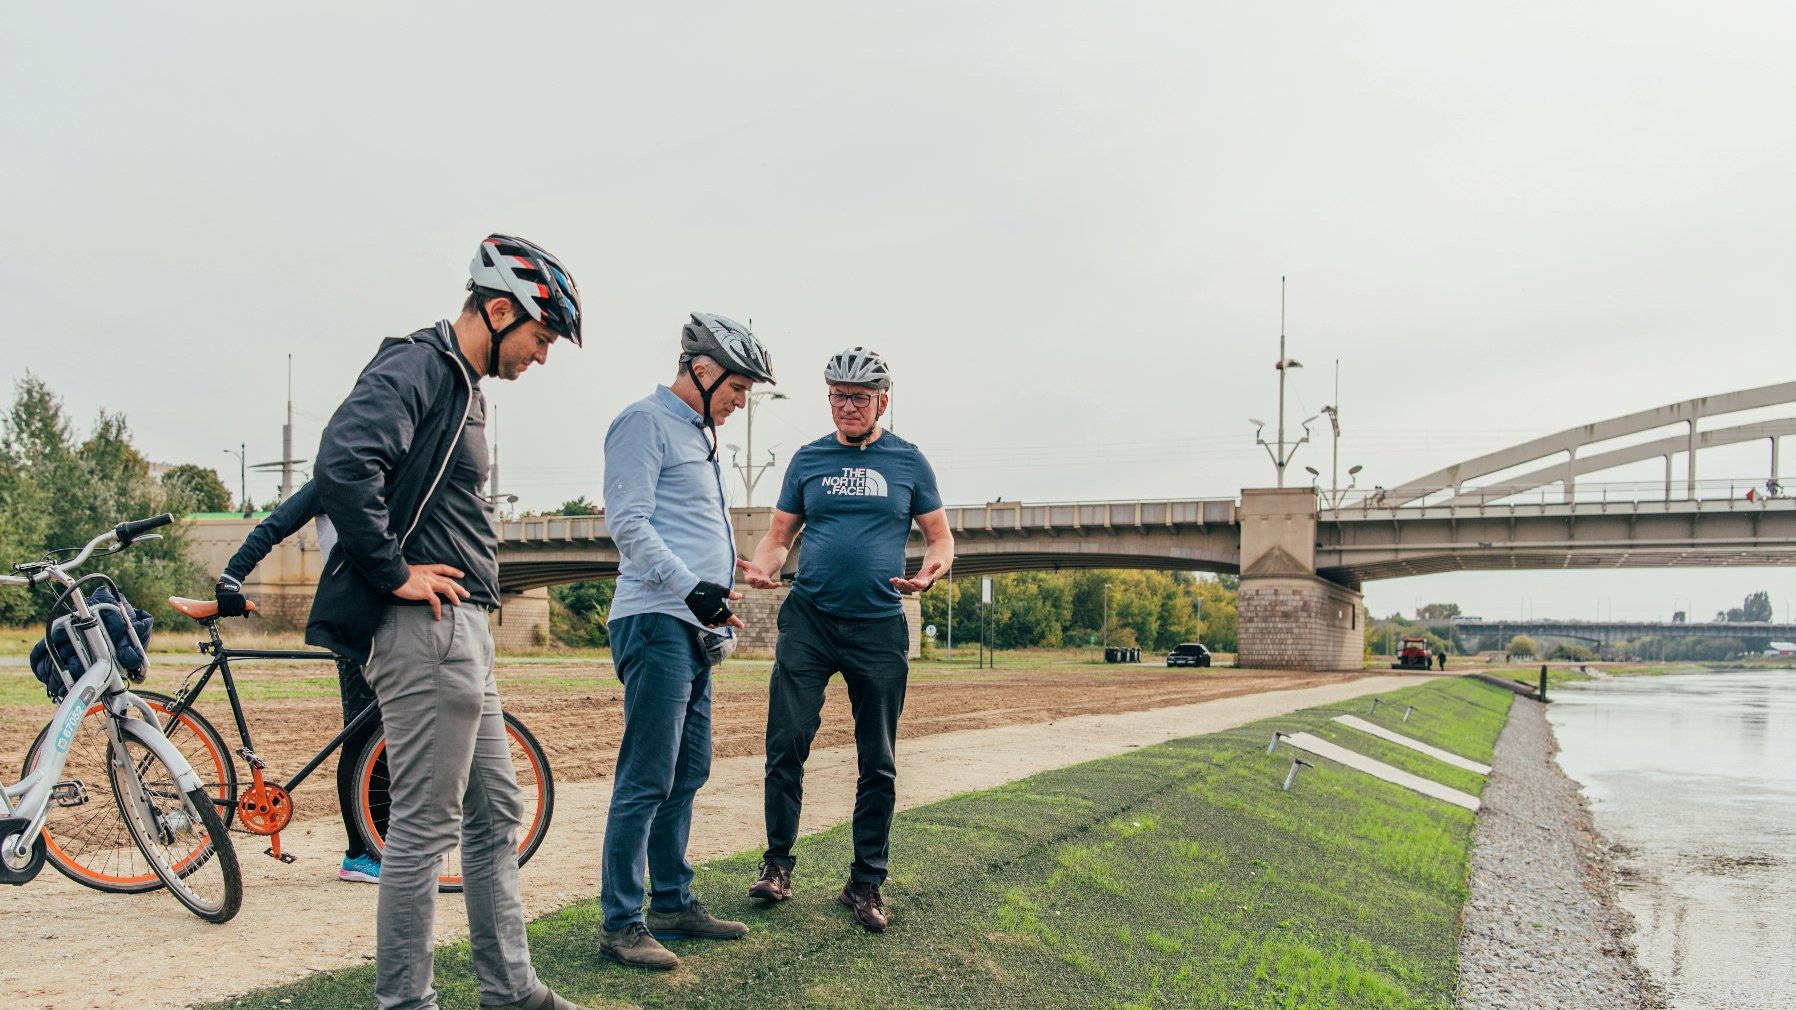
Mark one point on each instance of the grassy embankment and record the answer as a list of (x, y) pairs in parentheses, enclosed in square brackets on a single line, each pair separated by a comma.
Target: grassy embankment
[(1173, 876)]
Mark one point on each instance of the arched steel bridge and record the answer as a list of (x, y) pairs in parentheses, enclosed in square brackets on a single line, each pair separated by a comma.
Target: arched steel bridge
[(1478, 514)]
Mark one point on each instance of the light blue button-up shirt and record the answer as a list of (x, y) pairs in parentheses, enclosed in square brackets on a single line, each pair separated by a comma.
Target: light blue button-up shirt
[(664, 507)]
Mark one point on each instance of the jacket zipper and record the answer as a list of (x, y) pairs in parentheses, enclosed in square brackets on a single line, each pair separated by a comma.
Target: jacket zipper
[(447, 457)]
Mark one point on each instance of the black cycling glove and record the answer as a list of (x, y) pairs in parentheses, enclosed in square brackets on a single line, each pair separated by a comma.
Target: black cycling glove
[(708, 602), (229, 594)]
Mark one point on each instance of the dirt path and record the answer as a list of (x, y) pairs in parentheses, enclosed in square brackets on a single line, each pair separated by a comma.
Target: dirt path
[(297, 919)]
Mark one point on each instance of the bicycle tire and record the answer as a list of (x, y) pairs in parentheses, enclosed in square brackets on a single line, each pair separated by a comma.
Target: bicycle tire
[(179, 832), (536, 784), (90, 843)]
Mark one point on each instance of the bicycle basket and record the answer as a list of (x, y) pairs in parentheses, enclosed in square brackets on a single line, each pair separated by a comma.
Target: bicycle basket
[(57, 652)]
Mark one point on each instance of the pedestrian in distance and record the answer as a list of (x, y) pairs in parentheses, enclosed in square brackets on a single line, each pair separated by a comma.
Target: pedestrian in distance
[(855, 493), (361, 864), (1440, 658), (670, 623), (406, 592)]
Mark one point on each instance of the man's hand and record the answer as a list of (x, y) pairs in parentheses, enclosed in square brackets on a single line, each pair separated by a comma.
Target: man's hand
[(923, 580), (759, 578), (229, 594), (434, 583), (709, 602)]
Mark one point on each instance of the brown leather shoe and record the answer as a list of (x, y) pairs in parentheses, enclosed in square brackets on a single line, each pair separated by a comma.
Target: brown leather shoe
[(693, 923), (633, 946), (868, 907), (544, 998), (774, 884)]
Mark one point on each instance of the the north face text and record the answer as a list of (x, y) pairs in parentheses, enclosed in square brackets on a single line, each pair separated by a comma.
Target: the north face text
[(857, 480)]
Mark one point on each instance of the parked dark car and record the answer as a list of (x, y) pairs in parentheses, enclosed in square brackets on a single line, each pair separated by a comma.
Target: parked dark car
[(1188, 654)]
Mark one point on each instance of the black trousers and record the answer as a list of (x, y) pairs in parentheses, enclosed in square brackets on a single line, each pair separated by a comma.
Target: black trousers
[(872, 657), (356, 695)]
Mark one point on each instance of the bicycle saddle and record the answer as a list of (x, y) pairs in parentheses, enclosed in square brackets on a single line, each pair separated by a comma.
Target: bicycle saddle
[(201, 610)]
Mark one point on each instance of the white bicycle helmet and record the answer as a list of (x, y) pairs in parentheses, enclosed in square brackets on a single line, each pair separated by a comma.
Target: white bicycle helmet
[(510, 267), (729, 343), (858, 366)]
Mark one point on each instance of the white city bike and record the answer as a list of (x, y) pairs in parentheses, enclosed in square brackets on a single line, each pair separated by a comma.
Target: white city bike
[(170, 816)]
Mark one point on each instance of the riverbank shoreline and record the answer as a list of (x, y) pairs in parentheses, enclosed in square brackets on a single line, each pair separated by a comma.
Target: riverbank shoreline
[(1542, 924)]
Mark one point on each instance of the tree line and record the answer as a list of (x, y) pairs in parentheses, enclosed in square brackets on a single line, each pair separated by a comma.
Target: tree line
[(59, 488)]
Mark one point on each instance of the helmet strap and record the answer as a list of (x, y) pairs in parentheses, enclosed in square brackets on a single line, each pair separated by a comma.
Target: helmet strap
[(498, 336), (864, 437), (704, 394)]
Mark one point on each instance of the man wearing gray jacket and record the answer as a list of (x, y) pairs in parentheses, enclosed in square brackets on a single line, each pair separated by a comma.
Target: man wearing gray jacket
[(399, 472)]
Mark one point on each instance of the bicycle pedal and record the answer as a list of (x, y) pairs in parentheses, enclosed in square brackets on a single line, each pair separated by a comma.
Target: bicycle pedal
[(285, 857), (69, 793)]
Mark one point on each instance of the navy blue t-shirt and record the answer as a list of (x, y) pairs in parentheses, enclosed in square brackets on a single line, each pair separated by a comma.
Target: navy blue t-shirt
[(857, 506)]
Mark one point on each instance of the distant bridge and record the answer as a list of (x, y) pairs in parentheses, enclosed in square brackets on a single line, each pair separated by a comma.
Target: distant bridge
[(1756, 634)]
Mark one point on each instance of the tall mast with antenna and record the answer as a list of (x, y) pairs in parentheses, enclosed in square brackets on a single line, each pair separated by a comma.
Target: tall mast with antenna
[(287, 438)]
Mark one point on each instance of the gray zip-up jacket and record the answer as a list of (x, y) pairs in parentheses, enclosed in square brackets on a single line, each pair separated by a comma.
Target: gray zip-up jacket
[(381, 460)]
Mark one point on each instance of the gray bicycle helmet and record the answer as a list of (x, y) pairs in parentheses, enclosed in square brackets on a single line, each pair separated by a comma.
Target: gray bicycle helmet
[(858, 366), (729, 343), (508, 267)]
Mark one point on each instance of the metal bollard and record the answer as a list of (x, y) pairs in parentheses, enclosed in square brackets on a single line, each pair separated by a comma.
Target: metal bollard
[(1291, 776), (1276, 737), (1374, 707), (1406, 711)]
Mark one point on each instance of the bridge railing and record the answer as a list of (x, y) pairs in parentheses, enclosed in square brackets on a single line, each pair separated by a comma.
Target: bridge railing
[(541, 528), (1732, 490), (1002, 515)]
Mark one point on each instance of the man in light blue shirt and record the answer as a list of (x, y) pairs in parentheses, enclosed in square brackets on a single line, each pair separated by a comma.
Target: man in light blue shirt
[(670, 622)]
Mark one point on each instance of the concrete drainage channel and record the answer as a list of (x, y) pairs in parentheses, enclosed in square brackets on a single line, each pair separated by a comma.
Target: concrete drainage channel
[(1378, 769)]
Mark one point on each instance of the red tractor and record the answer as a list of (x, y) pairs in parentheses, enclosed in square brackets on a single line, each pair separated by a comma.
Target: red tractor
[(1414, 655)]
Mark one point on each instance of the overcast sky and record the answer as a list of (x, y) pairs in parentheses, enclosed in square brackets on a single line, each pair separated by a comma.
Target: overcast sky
[(1064, 224)]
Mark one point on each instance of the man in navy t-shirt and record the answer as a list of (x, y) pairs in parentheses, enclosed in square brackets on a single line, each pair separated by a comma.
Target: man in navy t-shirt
[(855, 493)]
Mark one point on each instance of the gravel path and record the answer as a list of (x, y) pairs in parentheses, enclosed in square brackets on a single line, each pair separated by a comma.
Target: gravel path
[(1541, 928)]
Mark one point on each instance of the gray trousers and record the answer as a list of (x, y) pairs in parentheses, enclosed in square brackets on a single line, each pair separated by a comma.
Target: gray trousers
[(452, 781)]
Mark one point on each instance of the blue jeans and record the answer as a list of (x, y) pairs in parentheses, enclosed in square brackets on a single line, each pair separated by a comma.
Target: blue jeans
[(664, 757)]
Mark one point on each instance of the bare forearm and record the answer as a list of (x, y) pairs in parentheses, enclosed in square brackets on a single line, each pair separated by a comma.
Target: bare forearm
[(770, 557)]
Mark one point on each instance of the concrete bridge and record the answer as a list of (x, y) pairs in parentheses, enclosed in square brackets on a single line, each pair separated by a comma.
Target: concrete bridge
[(1757, 635), (1301, 565)]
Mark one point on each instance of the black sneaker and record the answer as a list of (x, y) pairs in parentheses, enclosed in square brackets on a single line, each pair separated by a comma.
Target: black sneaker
[(868, 907), (774, 884)]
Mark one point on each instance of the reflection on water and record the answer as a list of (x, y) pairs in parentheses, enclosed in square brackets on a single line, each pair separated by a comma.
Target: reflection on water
[(1693, 777)]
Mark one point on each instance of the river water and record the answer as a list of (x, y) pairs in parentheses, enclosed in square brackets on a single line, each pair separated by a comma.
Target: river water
[(1693, 777)]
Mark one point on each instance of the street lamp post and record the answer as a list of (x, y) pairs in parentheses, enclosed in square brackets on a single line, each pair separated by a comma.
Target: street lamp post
[(751, 472), (1282, 458), (1106, 617), (242, 454)]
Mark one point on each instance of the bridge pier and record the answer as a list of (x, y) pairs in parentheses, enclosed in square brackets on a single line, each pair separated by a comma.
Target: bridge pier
[(1290, 618)]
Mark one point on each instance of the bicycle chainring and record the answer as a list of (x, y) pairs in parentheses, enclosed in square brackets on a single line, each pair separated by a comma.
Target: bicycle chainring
[(264, 809)]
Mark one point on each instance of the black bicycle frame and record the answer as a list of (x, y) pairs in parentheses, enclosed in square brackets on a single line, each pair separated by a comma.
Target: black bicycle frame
[(221, 664)]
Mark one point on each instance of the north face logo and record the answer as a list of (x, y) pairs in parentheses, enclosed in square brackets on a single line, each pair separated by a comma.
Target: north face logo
[(857, 480)]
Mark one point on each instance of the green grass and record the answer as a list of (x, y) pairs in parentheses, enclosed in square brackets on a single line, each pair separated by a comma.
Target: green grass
[(1174, 876)]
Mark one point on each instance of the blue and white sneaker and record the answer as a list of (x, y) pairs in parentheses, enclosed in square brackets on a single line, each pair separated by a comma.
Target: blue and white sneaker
[(362, 869)]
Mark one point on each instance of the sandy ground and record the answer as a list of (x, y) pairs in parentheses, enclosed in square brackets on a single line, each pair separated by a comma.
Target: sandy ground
[(297, 918)]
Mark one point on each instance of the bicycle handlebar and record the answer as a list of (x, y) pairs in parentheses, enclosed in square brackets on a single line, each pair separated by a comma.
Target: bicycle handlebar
[(124, 534), (127, 532)]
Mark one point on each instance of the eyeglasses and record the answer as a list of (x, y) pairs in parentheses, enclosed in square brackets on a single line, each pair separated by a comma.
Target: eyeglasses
[(860, 400)]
